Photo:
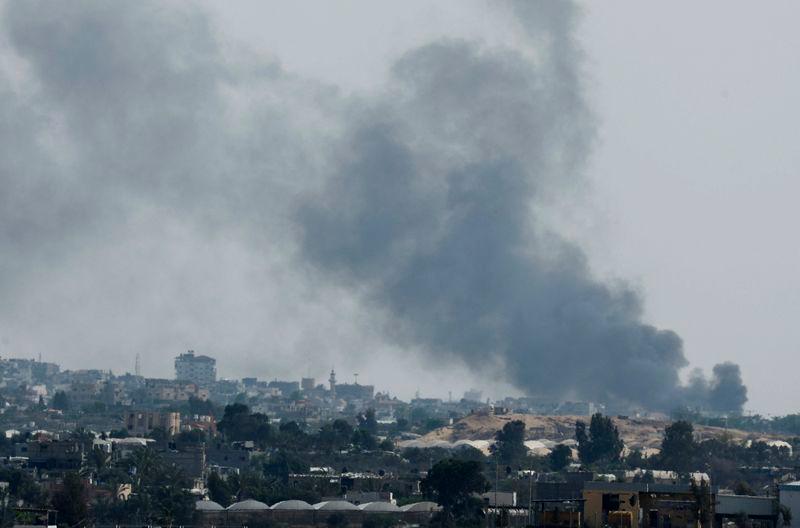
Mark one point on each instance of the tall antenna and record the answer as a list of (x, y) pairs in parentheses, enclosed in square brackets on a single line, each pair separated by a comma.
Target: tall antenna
[(137, 367)]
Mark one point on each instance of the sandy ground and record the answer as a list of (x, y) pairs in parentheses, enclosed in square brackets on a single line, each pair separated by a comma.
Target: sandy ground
[(636, 432)]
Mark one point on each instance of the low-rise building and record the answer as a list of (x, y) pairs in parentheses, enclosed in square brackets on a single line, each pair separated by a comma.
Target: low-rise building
[(789, 497), (142, 423), (52, 454), (191, 460), (759, 512), (644, 505), (163, 390)]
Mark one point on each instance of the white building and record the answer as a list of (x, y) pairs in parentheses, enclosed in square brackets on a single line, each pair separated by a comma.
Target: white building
[(201, 370)]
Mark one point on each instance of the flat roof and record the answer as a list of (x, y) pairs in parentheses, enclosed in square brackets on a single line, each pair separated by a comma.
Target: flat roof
[(641, 487)]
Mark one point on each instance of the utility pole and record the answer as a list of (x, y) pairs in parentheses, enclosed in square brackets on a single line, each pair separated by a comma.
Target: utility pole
[(530, 496), (496, 482)]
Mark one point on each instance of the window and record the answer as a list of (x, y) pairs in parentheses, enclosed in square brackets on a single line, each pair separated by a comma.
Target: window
[(610, 502)]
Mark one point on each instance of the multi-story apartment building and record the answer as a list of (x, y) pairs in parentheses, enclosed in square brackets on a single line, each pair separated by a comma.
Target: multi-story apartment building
[(201, 370)]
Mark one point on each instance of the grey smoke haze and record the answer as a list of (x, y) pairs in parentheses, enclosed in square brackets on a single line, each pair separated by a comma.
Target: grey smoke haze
[(149, 171)]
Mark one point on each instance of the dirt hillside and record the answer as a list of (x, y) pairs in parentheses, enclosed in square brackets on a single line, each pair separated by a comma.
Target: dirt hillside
[(636, 432)]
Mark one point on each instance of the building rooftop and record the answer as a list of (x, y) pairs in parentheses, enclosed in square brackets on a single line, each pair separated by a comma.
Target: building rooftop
[(292, 505), (248, 505), (379, 506), (641, 487), (335, 505), (207, 505), (424, 506)]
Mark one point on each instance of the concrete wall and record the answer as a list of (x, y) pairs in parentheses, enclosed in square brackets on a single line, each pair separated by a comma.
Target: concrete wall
[(789, 496), (732, 505)]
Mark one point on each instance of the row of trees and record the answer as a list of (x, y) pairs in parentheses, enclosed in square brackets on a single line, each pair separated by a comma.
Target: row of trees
[(161, 492), (239, 424), (599, 444), (788, 424)]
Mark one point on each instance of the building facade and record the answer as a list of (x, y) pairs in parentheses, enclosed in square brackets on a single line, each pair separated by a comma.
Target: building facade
[(142, 423), (637, 504), (201, 370)]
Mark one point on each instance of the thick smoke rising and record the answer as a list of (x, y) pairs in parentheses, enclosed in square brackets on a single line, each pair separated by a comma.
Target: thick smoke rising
[(158, 188), (433, 212)]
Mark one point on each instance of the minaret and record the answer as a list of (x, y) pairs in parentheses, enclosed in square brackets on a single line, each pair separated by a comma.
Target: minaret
[(332, 381), (137, 366)]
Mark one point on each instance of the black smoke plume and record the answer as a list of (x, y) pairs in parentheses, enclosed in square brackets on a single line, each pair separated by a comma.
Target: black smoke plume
[(158, 189), (432, 210)]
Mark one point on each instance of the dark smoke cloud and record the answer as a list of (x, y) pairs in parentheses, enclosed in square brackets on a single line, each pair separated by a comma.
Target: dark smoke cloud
[(148, 173), (724, 392), (432, 211)]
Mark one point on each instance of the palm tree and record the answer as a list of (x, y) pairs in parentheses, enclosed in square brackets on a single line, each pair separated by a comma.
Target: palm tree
[(141, 463), (98, 459)]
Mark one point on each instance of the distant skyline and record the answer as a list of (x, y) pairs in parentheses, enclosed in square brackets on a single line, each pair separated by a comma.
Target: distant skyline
[(688, 192)]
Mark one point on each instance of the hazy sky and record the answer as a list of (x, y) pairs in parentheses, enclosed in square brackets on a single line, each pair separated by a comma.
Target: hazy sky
[(696, 173), (689, 197)]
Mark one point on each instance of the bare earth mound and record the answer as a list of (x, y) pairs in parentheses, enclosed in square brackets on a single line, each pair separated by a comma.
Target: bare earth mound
[(636, 432)]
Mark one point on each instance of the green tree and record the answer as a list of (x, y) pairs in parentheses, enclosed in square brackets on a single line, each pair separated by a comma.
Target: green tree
[(200, 407), (98, 459), (367, 421), (635, 459), (218, 490), (336, 435), (281, 464), (678, 448), (23, 487), (743, 488), (363, 440), (291, 429), (702, 502), (60, 401), (559, 457), (72, 500), (467, 452), (159, 434), (142, 463), (510, 442), (239, 424), (161, 492), (452, 483), (602, 444), (292, 436), (786, 514)]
